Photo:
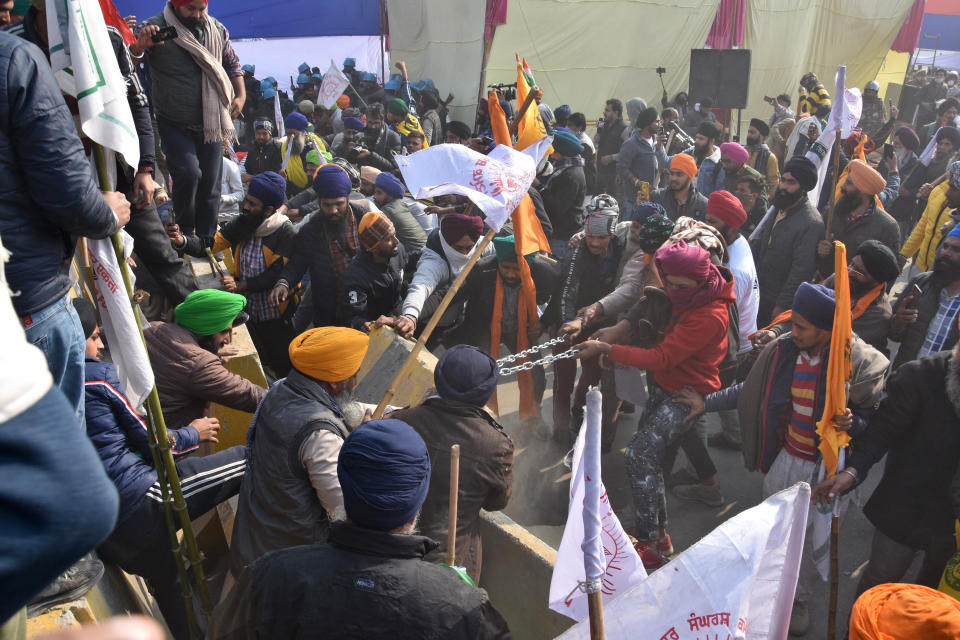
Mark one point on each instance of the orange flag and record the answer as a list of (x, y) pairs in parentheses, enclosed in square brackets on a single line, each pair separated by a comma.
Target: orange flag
[(531, 127), (528, 238), (839, 367)]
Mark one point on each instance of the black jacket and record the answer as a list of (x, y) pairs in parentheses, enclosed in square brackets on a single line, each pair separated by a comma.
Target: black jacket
[(372, 289), (48, 197), (563, 200), (695, 208), (265, 158), (911, 336), (382, 149), (916, 426), (584, 279), (363, 584)]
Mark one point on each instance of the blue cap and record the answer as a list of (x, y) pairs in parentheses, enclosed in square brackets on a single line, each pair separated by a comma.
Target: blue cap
[(303, 79), (303, 68), (249, 68), (266, 88), (393, 84), (349, 62), (368, 77), (426, 83)]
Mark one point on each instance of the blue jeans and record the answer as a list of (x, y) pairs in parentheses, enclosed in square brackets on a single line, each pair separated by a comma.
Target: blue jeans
[(56, 501), (57, 332), (195, 167)]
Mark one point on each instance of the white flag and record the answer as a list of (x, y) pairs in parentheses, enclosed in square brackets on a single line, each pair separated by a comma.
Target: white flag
[(844, 117), (495, 182), (737, 582), (278, 116), (86, 68), (621, 566), (126, 346), (931, 150), (332, 87)]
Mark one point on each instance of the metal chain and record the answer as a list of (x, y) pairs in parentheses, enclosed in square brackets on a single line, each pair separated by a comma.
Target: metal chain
[(531, 351), (527, 366)]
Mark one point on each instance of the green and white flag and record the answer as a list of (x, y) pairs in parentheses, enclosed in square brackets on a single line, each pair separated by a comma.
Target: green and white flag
[(86, 67)]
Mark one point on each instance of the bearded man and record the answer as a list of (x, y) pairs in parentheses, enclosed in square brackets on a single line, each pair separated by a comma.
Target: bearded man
[(680, 197), (290, 492), (785, 242), (198, 91), (294, 150), (264, 155), (856, 216), (761, 158)]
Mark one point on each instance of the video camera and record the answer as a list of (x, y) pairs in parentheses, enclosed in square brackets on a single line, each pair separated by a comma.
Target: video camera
[(506, 91)]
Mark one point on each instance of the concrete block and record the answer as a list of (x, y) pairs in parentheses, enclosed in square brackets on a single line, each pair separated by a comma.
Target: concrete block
[(385, 355), (516, 572)]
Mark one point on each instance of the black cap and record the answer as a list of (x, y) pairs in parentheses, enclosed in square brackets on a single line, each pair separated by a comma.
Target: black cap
[(88, 315)]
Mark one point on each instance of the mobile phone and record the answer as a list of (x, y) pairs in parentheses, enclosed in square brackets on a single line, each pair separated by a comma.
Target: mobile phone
[(165, 33), (645, 188), (887, 150), (914, 296), (486, 141)]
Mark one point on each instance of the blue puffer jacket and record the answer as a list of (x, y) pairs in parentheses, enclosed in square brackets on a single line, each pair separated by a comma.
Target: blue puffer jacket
[(120, 436), (48, 197)]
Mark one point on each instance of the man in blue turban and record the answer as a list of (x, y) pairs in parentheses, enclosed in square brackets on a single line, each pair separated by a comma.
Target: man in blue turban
[(465, 378), (388, 195), (373, 576)]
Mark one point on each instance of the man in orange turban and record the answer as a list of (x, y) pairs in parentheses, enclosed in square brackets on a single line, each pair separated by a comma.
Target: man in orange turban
[(858, 215), (904, 612), (290, 491), (680, 197)]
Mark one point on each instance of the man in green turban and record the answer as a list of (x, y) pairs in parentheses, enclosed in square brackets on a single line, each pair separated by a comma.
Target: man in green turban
[(185, 356)]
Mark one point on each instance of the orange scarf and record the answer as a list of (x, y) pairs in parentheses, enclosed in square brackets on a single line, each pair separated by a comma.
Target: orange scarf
[(526, 319)]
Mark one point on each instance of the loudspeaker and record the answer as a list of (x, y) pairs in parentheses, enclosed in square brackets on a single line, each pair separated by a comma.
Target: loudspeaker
[(723, 75)]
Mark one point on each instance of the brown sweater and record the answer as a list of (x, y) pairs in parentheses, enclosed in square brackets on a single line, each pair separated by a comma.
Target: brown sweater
[(188, 377)]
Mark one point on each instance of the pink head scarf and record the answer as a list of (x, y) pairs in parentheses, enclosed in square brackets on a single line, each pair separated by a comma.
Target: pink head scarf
[(689, 261)]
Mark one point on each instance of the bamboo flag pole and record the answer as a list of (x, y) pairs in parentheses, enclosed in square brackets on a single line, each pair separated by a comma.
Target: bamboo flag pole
[(432, 324), (595, 611), (531, 95), (454, 496), (156, 422), (833, 188)]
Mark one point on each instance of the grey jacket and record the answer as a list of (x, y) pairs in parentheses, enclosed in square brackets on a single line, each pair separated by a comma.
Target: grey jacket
[(785, 254), (409, 232), (696, 206), (641, 160), (278, 506)]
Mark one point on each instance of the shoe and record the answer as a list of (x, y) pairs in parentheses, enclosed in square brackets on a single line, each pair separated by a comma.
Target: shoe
[(681, 477), (709, 496), (799, 619), (70, 585), (721, 441), (652, 559), (664, 546)]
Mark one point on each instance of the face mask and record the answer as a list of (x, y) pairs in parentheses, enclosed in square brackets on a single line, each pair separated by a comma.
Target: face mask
[(682, 299), (901, 154)]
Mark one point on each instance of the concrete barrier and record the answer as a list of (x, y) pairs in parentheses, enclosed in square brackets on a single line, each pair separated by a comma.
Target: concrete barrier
[(516, 572)]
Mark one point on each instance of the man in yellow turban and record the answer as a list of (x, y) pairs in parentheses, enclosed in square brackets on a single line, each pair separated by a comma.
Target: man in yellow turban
[(904, 612), (290, 492), (185, 356), (858, 215)]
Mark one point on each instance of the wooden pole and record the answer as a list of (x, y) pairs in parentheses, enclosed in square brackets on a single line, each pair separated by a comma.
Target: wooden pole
[(833, 183), (157, 428), (531, 95), (834, 578), (454, 495), (213, 262), (595, 610), (432, 324)]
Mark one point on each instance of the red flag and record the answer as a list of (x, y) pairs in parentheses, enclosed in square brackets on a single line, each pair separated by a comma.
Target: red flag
[(113, 19)]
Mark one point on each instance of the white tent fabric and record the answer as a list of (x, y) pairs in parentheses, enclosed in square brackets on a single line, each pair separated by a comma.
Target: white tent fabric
[(280, 57), (441, 40), (585, 51)]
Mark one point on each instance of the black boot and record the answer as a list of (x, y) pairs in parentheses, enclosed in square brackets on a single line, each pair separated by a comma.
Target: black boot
[(69, 585)]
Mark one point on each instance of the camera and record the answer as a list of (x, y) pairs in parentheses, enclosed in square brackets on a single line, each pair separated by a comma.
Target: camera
[(357, 145), (661, 70), (506, 91)]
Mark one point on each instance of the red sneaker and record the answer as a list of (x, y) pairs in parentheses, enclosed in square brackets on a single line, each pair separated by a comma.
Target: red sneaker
[(652, 560), (664, 546)]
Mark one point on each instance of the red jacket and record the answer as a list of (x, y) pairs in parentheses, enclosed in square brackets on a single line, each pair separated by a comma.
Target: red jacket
[(694, 346)]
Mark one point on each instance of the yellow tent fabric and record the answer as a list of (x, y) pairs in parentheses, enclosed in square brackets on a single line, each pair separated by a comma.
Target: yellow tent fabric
[(839, 367), (585, 51)]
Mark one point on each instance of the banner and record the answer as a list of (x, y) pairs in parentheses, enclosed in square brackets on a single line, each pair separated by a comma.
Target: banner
[(126, 347), (615, 560), (278, 117), (86, 68), (333, 85), (496, 182), (737, 582)]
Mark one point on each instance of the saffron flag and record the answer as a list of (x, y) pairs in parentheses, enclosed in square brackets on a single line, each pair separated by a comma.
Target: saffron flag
[(839, 367), (528, 239), (594, 544), (531, 127), (737, 582), (495, 182), (127, 350), (86, 68), (332, 87)]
